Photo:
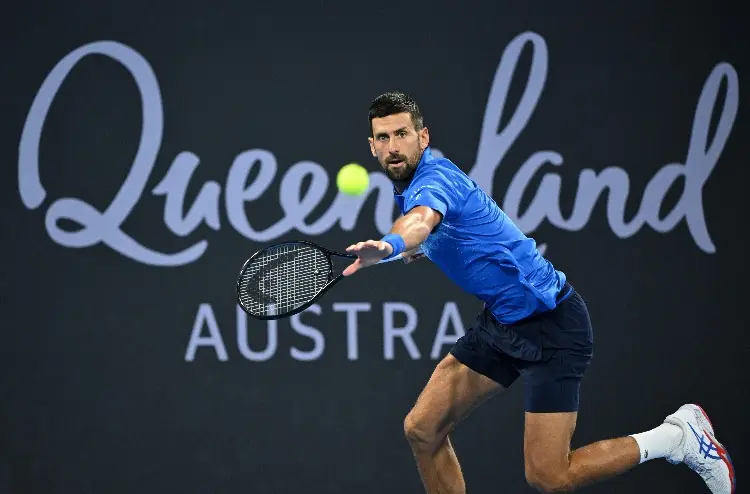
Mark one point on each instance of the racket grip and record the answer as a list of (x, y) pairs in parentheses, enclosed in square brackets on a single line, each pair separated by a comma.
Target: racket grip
[(396, 258)]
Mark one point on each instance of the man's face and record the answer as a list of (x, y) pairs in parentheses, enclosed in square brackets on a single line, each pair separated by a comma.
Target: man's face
[(397, 145)]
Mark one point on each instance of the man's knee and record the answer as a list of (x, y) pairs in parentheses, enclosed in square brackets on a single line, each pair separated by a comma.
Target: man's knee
[(453, 390), (547, 451), (422, 434), (426, 426), (547, 479)]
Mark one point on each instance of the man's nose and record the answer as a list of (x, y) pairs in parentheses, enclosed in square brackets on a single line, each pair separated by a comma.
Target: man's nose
[(393, 145)]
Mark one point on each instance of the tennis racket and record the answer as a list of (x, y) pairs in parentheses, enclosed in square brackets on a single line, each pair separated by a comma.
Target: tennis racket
[(284, 279)]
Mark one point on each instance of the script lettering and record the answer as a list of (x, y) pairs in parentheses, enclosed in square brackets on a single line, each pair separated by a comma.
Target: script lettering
[(97, 226), (701, 159), (173, 186), (296, 207)]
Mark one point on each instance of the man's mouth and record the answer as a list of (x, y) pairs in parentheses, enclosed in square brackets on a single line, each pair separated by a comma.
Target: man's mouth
[(396, 164)]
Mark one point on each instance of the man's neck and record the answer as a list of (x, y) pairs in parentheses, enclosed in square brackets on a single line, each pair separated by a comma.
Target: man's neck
[(401, 185)]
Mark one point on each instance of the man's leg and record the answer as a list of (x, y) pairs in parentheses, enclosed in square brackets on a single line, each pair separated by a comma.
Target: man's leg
[(686, 436), (451, 393), (552, 398), (552, 401), (473, 372), (552, 467)]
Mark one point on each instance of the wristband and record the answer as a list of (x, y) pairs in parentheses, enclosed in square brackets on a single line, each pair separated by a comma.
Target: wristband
[(397, 242)]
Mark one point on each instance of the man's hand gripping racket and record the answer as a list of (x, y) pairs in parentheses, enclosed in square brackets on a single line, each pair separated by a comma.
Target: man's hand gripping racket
[(373, 252)]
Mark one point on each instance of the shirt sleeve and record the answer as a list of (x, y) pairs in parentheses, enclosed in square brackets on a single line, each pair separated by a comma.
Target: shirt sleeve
[(435, 191)]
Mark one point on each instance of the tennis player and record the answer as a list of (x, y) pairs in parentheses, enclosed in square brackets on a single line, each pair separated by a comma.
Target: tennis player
[(534, 324)]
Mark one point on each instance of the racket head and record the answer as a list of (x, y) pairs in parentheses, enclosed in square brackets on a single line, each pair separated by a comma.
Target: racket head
[(284, 279)]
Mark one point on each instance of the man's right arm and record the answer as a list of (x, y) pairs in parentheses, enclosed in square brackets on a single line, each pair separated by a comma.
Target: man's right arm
[(432, 192)]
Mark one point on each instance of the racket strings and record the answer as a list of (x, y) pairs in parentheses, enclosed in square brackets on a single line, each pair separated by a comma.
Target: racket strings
[(283, 278)]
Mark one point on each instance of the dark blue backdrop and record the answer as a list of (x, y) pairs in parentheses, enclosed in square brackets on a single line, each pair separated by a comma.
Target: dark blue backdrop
[(149, 148)]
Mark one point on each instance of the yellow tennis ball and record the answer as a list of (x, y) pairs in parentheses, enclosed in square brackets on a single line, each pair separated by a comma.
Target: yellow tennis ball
[(353, 179)]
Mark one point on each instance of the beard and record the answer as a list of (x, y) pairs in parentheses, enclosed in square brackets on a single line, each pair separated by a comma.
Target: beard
[(404, 172)]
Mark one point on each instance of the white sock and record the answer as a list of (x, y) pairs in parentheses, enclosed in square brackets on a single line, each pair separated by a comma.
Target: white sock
[(659, 442)]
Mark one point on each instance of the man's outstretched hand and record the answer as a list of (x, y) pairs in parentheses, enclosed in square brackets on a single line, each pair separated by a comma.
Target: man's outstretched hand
[(368, 253)]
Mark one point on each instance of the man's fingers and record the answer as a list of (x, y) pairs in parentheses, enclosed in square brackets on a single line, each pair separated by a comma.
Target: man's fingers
[(355, 247), (362, 248), (352, 268)]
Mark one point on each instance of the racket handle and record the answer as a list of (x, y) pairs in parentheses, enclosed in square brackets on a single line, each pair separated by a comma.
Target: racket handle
[(396, 258)]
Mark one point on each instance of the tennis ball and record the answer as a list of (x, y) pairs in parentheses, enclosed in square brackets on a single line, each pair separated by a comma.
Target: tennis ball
[(352, 179)]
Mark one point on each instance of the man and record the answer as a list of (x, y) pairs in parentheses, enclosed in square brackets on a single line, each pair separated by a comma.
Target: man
[(534, 324)]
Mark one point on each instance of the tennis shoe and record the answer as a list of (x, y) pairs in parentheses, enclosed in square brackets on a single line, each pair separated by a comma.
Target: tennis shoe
[(700, 450)]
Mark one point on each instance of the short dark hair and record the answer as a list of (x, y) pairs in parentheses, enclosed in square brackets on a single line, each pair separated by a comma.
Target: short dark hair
[(394, 102)]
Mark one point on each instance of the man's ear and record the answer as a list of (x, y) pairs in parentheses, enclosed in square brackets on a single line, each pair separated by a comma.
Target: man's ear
[(424, 138), (372, 146)]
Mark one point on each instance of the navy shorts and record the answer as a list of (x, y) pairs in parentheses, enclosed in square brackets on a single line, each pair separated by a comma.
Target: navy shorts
[(551, 350)]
